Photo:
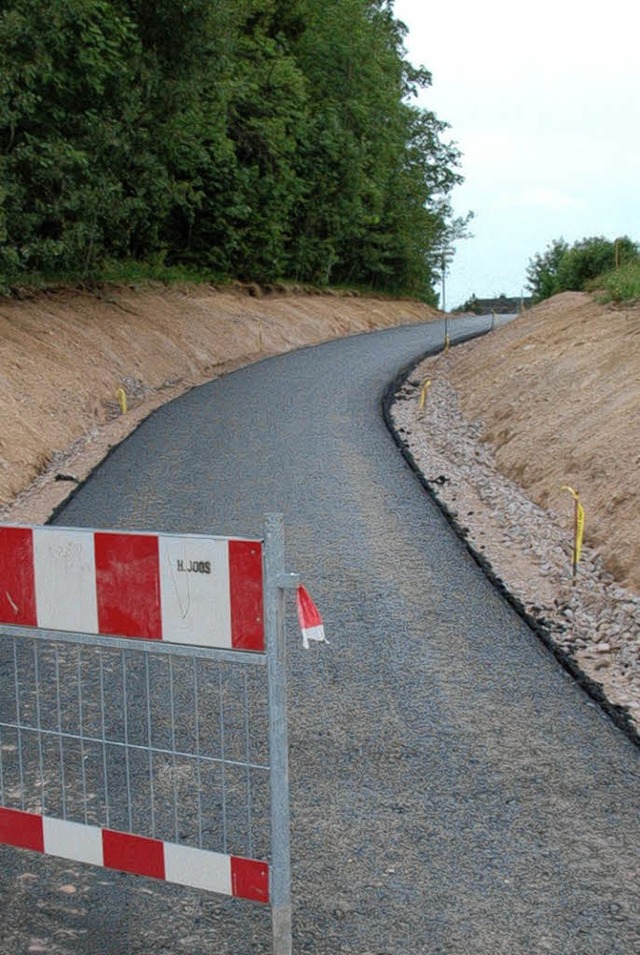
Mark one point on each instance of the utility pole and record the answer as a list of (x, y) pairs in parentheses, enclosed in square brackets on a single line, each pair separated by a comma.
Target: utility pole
[(446, 256)]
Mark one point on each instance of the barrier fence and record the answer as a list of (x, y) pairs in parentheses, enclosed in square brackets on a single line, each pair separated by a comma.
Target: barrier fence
[(143, 706)]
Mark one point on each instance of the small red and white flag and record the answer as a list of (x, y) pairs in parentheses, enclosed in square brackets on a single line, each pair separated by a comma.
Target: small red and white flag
[(309, 619)]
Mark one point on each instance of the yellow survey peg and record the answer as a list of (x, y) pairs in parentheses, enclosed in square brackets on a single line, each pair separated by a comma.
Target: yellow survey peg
[(578, 526), (423, 394), (447, 343), (121, 395)]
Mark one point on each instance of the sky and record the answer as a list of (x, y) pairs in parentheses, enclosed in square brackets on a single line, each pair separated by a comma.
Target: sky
[(543, 100)]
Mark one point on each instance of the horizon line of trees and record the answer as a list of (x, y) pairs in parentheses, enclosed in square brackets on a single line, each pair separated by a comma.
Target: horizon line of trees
[(257, 139)]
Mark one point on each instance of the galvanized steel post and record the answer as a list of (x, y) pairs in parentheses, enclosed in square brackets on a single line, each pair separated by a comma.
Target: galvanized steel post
[(275, 584)]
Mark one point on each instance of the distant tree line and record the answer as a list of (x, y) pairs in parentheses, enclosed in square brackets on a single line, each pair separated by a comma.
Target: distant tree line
[(576, 268), (259, 139)]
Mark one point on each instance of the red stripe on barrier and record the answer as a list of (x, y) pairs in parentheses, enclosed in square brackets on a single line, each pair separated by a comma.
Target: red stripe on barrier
[(128, 585), (249, 879), (134, 854), (21, 829), (247, 603), (17, 579)]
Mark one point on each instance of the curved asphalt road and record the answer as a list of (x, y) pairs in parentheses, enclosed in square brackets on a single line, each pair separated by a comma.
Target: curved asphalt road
[(453, 791)]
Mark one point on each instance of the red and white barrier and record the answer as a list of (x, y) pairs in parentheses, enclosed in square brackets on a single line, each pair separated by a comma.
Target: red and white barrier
[(202, 591), (309, 619), (179, 589), (213, 871)]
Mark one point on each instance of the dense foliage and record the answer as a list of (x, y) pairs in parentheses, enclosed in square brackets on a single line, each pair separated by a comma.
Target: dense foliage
[(565, 268), (259, 139), (621, 285)]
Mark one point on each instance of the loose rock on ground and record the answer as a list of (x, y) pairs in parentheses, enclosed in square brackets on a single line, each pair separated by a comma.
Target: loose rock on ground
[(592, 620)]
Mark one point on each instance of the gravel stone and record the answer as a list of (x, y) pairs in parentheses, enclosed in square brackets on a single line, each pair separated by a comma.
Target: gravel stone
[(519, 825)]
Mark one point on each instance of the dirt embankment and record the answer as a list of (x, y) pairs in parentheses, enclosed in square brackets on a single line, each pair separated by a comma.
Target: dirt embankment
[(550, 400), (63, 357), (557, 395)]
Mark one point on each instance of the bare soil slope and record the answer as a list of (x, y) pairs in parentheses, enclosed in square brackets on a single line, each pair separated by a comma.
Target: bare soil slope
[(63, 357), (557, 394), (549, 400)]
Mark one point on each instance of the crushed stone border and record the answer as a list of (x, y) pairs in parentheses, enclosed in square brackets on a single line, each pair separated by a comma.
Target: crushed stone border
[(540, 625)]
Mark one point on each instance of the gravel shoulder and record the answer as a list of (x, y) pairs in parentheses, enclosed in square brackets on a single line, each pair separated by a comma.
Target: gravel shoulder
[(591, 623)]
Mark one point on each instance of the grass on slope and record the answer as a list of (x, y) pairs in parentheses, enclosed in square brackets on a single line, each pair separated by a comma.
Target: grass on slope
[(622, 285)]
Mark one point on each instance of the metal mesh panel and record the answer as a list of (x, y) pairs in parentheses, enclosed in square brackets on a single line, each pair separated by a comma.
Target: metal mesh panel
[(139, 739)]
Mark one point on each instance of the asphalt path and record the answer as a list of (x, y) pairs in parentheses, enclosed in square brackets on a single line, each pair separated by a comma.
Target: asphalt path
[(453, 791)]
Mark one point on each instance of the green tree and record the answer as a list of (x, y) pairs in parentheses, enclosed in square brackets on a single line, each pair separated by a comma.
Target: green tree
[(70, 81), (257, 138), (188, 51), (590, 258), (376, 169), (542, 270), (266, 106), (565, 268)]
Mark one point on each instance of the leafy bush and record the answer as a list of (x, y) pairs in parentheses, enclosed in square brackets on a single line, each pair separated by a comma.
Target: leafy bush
[(564, 268), (621, 285), (542, 270)]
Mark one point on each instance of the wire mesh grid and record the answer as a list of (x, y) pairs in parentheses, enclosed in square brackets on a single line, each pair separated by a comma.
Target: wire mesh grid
[(160, 744)]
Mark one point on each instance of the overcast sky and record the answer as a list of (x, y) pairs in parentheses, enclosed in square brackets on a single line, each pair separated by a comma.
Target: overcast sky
[(544, 102)]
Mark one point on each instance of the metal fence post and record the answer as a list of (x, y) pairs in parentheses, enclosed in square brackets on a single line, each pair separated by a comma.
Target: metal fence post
[(275, 584)]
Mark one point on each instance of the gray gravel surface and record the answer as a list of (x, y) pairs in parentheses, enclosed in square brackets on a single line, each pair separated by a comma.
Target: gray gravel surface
[(453, 791)]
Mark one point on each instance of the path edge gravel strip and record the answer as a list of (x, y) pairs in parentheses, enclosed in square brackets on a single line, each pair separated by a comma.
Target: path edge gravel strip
[(619, 715)]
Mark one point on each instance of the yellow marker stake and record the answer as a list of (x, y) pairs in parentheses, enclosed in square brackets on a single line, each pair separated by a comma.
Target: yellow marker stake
[(447, 342), (121, 395), (580, 533), (423, 394), (578, 527)]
